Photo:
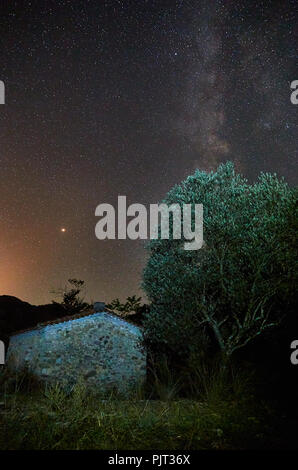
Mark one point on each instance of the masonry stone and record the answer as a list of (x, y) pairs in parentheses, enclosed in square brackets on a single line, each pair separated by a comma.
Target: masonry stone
[(102, 350)]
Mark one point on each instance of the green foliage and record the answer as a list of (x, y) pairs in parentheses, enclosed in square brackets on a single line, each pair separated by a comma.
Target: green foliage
[(52, 419), (243, 279), (131, 306), (71, 299)]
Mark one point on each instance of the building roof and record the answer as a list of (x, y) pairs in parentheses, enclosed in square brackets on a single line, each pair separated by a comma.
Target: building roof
[(67, 318)]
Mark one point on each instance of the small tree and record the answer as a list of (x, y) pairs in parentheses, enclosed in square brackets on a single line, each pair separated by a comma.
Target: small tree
[(71, 300), (242, 280), (130, 307)]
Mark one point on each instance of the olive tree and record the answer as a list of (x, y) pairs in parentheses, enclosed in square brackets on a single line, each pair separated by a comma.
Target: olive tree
[(240, 283)]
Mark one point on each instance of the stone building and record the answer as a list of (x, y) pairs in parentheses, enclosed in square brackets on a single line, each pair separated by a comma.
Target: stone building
[(99, 348)]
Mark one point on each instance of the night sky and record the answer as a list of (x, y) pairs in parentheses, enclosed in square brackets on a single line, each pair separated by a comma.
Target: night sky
[(108, 98)]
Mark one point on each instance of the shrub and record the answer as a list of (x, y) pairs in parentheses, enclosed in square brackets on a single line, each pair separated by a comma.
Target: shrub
[(132, 309), (131, 306)]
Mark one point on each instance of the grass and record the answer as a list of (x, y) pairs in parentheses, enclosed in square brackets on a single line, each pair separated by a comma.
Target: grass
[(215, 417), (55, 421)]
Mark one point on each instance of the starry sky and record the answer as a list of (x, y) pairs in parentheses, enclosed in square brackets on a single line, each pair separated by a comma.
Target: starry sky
[(128, 97)]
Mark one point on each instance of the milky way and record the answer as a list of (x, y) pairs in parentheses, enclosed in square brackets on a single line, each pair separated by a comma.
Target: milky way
[(108, 98)]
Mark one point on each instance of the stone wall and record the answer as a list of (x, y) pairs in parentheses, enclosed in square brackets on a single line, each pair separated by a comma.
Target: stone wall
[(102, 350)]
